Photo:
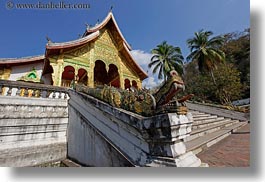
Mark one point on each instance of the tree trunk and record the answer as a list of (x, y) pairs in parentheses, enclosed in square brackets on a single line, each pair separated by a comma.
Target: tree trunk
[(213, 77)]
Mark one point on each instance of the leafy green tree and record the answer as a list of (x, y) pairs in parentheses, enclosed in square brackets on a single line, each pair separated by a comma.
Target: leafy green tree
[(227, 88), (206, 51), (166, 58), (237, 50)]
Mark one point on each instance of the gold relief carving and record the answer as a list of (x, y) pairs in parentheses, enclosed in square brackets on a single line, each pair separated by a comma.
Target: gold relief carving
[(55, 75), (5, 73), (53, 59), (115, 34), (106, 38), (60, 63), (73, 62), (1, 72), (106, 55), (79, 52), (127, 71)]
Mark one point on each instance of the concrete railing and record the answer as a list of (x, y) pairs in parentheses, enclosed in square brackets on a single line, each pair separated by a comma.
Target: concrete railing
[(24, 89), (102, 135), (36, 122)]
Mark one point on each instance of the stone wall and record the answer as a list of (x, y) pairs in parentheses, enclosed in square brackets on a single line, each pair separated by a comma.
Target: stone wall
[(35, 129), (32, 130), (102, 135)]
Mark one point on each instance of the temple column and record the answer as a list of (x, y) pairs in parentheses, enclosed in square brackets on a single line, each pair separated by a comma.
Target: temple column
[(60, 64), (121, 71), (76, 75), (121, 80), (88, 76), (139, 83), (90, 71), (55, 73)]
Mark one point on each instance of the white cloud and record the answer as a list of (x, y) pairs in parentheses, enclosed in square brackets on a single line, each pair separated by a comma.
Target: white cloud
[(141, 57), (151, 82)]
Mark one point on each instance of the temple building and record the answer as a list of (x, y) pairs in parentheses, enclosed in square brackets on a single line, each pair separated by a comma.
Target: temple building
[(101, 56)]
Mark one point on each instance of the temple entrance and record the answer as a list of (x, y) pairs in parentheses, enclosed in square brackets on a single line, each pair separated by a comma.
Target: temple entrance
[(134, 84), (113, 76), (127, 84), (102, 76), (100, 73), (67, 76), (82, 77)]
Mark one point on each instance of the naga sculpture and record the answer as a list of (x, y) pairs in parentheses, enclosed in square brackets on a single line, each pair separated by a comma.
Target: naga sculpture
[(142, 101)]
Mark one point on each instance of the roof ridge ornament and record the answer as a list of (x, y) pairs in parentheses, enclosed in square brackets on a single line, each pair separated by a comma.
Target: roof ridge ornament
[(97, 22), (111, 8), (87, 26), (48, 39)]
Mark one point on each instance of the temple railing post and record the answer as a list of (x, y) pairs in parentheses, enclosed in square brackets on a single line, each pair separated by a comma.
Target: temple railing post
[(9, 92), (1, 89), (24, 89), (18, 91)]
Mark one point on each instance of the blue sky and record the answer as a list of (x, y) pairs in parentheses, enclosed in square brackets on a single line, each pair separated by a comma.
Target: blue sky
[(144, 23)]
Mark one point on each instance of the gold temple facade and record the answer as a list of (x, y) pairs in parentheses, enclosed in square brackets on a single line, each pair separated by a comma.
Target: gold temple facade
[(100, 57)]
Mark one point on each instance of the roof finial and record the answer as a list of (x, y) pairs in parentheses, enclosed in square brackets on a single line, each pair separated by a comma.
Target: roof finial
[(97, 22), (48, 39), (111, 8), (87, 26)]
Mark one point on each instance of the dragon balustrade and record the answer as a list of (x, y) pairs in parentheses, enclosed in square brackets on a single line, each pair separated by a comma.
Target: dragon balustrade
[(142, 101)]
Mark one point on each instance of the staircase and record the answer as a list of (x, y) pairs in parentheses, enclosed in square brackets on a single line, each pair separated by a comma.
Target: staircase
[(208, 129)]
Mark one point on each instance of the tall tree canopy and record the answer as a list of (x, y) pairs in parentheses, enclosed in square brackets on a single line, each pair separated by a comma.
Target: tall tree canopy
[(206, 51), (166, 58), (237, 50), (232, 77)]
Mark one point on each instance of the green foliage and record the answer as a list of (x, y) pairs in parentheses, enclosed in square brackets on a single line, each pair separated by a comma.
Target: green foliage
[(237, 50), (227, 88), (226, 58), (166, 58), (206, 51)]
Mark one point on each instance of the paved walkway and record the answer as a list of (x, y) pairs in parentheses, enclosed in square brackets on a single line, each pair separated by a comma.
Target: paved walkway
[(233, 151)]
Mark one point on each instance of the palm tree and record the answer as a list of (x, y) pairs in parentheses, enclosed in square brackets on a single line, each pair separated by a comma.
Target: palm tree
[(206, 51), (166, 58)]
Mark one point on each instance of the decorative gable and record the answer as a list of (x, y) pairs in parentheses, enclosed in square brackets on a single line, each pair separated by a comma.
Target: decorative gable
[(31, 76)]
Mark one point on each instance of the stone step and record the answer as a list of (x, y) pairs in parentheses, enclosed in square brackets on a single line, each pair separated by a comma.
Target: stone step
[(209, 129), (208, 122), (197, 119), (198, 116), (200, 143), (21, 130), (4, 140), (195, 112), (70, 163), (33, 155)]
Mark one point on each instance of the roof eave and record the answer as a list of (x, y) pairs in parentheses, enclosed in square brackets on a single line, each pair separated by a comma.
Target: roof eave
[(143, 75), (22, 60), (73, 43)]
